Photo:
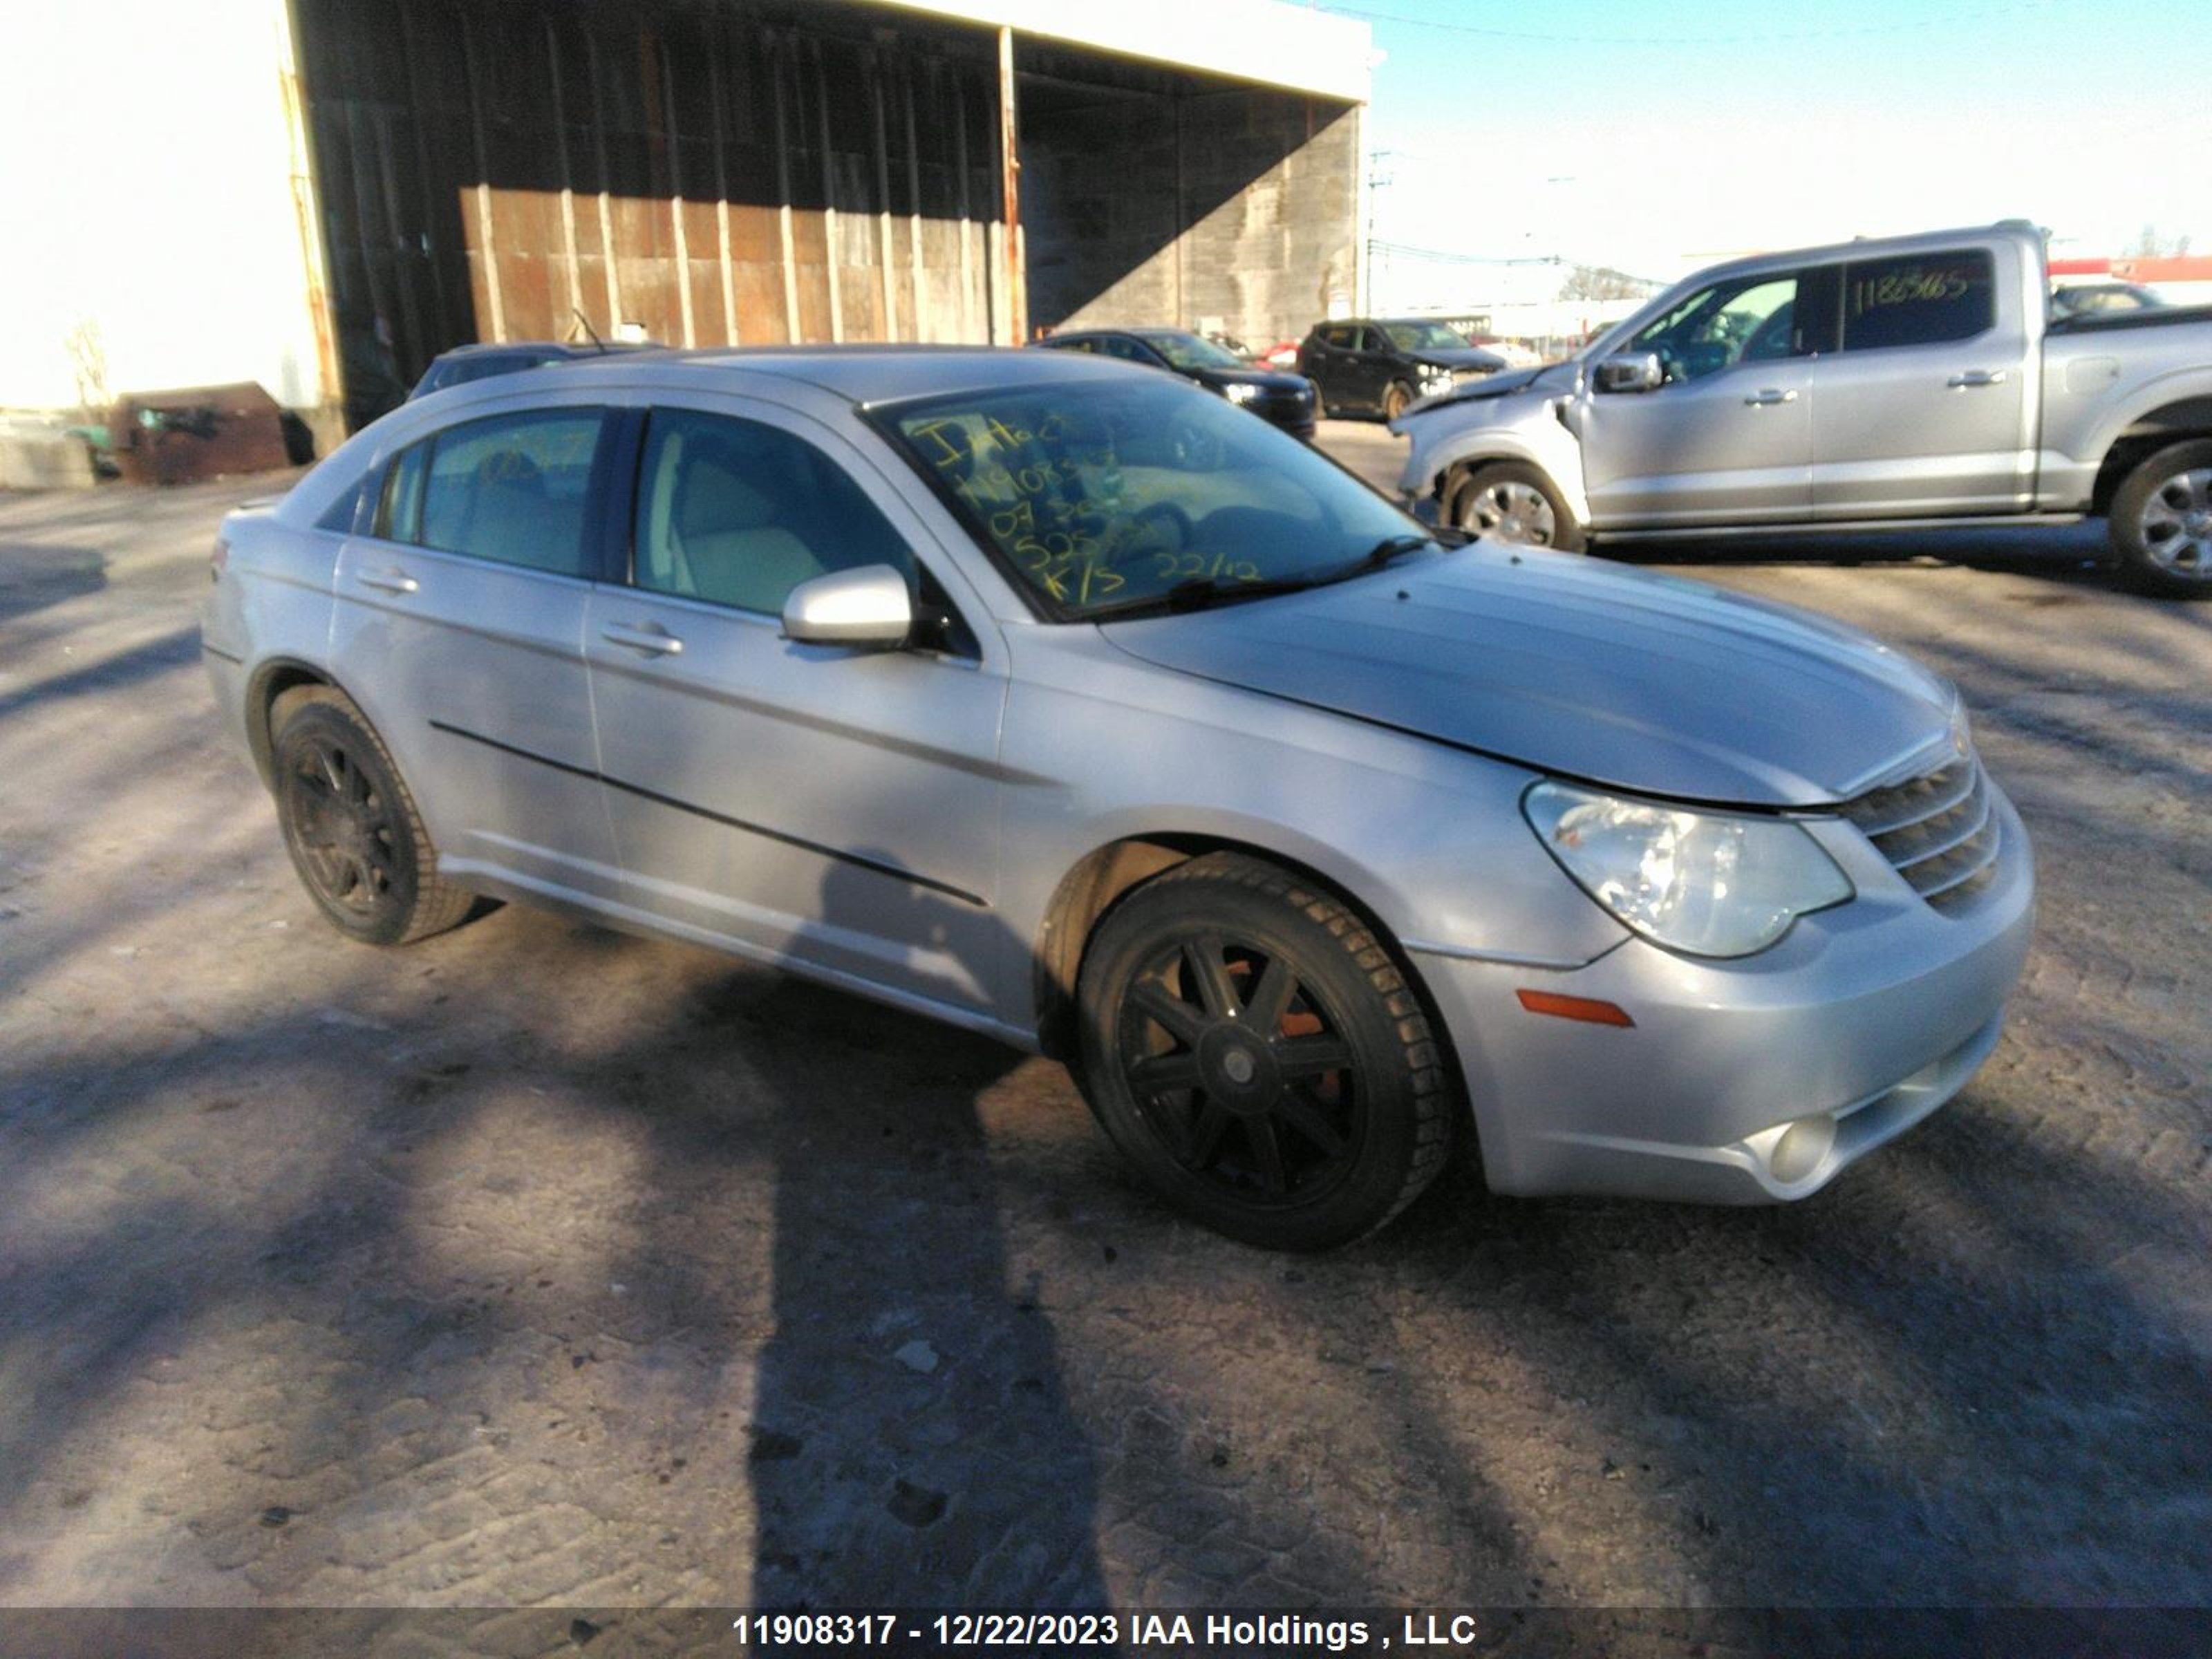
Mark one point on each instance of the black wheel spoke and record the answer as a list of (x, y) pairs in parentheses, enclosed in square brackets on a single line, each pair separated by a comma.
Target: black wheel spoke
[(1271, 998), (1268, 1148), (1182, 1021), (1310, 1056), (1205, 1136), (1164, 1073), (1205, 962), (1303, 1116)]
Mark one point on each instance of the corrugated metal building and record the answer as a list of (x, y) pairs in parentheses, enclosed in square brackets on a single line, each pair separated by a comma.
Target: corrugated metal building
[(323, 194)]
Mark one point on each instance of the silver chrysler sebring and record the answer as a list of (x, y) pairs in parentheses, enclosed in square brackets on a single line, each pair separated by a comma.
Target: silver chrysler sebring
[(1061, 701)]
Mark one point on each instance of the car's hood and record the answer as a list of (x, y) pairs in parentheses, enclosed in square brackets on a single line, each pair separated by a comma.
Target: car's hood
[(1459, 357), (1642, 682), (1271, 379), (1558, 375)]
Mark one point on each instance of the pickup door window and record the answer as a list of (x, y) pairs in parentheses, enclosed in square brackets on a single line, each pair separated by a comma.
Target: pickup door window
[(1728, 437), (1922, 412)]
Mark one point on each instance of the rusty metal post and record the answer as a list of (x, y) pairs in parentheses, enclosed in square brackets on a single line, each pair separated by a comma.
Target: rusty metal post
[(1009, 164)]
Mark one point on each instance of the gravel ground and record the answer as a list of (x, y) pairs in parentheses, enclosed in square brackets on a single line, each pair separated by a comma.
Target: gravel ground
[(540, 1265)]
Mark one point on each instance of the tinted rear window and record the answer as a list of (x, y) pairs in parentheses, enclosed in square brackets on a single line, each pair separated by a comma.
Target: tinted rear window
[(513, 488), (1920, 300)]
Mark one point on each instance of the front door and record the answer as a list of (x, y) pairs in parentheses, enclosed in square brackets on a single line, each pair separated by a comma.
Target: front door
[(1925, 411), (459, 627), (809, 804), (1727, 437)]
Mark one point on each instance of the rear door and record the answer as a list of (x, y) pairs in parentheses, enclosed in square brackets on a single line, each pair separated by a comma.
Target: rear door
[(1924, 412), (458, 628), (1728, 439), (821, 805)]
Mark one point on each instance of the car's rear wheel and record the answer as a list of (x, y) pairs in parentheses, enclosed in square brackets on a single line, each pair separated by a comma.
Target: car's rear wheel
[(2161, 523), (351, 826), (1394, 400), (1507, 501), (1254, 1051)]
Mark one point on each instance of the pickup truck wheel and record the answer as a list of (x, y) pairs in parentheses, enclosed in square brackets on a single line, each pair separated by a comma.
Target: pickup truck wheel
[(1253, 1048), (2161, 523), (1507, 501)]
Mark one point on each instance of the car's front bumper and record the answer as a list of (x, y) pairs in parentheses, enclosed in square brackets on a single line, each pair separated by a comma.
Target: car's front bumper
[(1860, 1023)]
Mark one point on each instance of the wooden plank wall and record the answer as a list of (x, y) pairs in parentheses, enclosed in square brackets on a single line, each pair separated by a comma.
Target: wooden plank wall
[(716, 174)]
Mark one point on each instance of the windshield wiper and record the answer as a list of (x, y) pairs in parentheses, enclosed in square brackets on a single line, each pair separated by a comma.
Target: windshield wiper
[(1201, 592), (1388, 549)]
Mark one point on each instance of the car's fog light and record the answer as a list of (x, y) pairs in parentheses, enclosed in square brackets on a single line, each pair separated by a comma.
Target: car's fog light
[(1801, 1149)]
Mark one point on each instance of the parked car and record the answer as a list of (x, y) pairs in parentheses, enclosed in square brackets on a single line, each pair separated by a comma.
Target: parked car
[(2077, 299), (1286, 399), (1311, 842), (1381, 366), (1877, 384), (464, 364)]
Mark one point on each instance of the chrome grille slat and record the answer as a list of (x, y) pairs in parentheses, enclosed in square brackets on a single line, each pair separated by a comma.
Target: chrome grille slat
[(1909, 804), (1980, 800), (1939, 831), (1984, 858)]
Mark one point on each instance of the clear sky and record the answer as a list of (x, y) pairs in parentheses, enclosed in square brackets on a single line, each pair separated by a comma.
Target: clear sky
[(1657, 137)]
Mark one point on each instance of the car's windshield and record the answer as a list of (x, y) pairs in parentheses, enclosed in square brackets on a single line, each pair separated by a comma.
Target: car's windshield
[(1100, 496), (1424, 336), (1190, 351)]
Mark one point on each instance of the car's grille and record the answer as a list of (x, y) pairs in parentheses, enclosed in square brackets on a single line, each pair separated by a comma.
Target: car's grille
[(1939, 829)]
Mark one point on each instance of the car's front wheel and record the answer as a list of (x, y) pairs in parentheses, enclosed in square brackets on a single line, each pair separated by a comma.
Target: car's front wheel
[(1254, 1051), (352, 830), (2161, 523), (1507, 501), (1395, 399)]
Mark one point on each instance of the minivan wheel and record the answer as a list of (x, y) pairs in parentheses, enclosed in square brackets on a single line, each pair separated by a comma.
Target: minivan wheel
[(2161, 523), (1396, 398), (351, 826), (1254, 1050), (1507, 501)]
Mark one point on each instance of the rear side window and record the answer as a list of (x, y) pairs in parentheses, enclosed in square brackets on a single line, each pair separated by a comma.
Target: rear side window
[(513, 488), (1919, 300), (1338, 335), (739, 514)]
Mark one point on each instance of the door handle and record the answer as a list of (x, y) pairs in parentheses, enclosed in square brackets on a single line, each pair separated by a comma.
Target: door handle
[(1978, 376), (649, 637), (1771, 395), (391, 580)]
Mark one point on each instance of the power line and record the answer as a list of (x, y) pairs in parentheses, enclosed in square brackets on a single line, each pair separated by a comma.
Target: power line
[(1937, 19)]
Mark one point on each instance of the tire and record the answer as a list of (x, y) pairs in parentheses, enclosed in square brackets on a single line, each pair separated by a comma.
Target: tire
[(355, 836), (1395, 397), (1509, 501), (2161, 523), (1265, 1141)]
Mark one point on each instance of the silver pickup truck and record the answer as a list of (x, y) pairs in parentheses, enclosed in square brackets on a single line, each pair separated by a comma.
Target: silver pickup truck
[(1917, 382)]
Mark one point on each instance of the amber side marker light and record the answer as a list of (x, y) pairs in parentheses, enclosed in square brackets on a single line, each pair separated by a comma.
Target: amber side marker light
[(1582, 1008)]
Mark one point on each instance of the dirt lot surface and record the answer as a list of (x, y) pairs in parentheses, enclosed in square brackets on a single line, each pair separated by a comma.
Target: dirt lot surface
[(538, 1264)]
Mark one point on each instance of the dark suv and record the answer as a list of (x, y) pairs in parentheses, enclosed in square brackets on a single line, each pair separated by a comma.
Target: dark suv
[(1380, 365), (1273, 395)]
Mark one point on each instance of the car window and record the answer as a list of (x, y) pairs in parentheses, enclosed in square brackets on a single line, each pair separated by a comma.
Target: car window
[(1096, 497), (1074, 345), (1424, 336), (1373, 339), (1920, 300), (339, 515), (511, 488), (1337, 337), (1192, 351), (739, 514), (1744, 318), (1117, 345)]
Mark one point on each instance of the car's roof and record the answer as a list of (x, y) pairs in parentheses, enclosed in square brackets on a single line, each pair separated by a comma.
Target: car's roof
[(539, 348), (864, 373)]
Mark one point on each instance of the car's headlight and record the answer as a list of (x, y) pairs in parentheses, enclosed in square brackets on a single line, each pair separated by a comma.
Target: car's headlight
[(1241, 391), (1707, 884)]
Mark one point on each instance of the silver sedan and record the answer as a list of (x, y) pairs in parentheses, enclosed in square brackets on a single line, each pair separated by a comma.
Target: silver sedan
[(1064, 703)]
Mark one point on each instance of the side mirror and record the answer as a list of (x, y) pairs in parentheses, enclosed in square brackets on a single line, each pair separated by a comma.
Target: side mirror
[(868, 606), (1631, 370)]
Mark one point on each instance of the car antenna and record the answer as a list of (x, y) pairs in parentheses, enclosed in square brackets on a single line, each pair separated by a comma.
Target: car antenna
[(585, 322)]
